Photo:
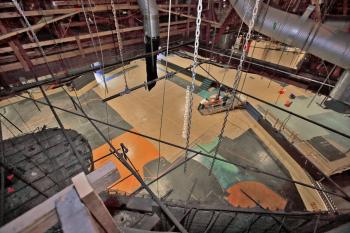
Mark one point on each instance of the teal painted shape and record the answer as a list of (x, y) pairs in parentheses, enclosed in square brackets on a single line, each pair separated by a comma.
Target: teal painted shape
[(206, 84), (204, 94), (209, 147), (226, 174)]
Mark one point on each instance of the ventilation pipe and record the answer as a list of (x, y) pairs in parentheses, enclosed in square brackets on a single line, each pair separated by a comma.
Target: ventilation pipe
[(315, 38), (341, 91), (149, 10)]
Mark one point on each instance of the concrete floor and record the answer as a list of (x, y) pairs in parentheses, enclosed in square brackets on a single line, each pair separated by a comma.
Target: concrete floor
[(141, 111)]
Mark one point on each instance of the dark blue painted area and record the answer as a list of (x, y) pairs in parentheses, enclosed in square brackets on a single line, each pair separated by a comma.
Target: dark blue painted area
[(253, 112)]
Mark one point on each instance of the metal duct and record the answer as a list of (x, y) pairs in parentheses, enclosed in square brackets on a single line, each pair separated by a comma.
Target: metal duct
[(150, 14), (328, 43), (343, 25), (315, 38), (149, 9), (341, 91)]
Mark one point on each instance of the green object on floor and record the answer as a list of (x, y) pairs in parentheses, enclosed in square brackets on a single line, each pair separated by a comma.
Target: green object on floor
[(206, 84), (204, 94), (209, 148), (226, 174)]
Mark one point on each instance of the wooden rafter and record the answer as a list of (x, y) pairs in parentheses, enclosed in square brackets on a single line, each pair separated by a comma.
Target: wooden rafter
[(17, 49), (36, 26), (83, 37), (77, 52), (213, 23), (97, 8)]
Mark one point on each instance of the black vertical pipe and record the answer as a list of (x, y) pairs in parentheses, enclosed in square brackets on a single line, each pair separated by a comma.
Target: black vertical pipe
[(151, 45)]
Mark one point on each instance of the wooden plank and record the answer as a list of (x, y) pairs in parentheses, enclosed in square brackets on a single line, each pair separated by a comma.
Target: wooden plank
[(4, 5), (94, 203), (36, 26), (19, 56), (15, 49), (97, 8), (83, 37), (213, 23), (74, 53), (44, 216), (73, 215)]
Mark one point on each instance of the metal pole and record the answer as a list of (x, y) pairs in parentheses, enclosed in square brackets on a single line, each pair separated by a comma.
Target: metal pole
[(252, 223), (316, 224), (211, 224), (11, 122), (280, 227), (181, 219), (267, 211), (2, 181), (229, 223), (319, 89), (253, 169)]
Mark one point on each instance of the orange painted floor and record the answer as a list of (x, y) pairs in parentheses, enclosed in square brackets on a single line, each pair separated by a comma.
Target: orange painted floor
[(141, 152), (257, 191)]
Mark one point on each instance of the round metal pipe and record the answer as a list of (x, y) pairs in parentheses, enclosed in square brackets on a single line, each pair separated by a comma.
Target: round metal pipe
[(149, 10), (315, 38)]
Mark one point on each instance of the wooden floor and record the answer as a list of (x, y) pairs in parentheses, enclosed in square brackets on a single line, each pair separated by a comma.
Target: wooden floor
[(143, 109)]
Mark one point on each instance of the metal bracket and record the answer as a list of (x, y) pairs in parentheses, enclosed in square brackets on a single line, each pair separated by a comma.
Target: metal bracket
[(308, 12)]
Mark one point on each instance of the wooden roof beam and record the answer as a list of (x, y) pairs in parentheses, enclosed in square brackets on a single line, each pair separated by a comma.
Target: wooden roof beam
[(83, 37), (17, 49), (77, 52), (213, 23), (97, 8), (36, 26)]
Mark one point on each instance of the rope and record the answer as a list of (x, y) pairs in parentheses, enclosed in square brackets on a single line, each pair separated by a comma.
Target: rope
[(163, 97)]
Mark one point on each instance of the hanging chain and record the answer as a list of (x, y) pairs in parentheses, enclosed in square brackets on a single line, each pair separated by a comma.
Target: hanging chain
[(189, 92), (120, 42), (237, 79)]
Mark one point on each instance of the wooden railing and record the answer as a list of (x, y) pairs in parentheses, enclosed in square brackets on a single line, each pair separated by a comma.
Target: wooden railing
[(73, 207)]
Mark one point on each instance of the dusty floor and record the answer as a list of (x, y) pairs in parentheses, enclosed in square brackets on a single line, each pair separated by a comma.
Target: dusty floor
[(141, 111)]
